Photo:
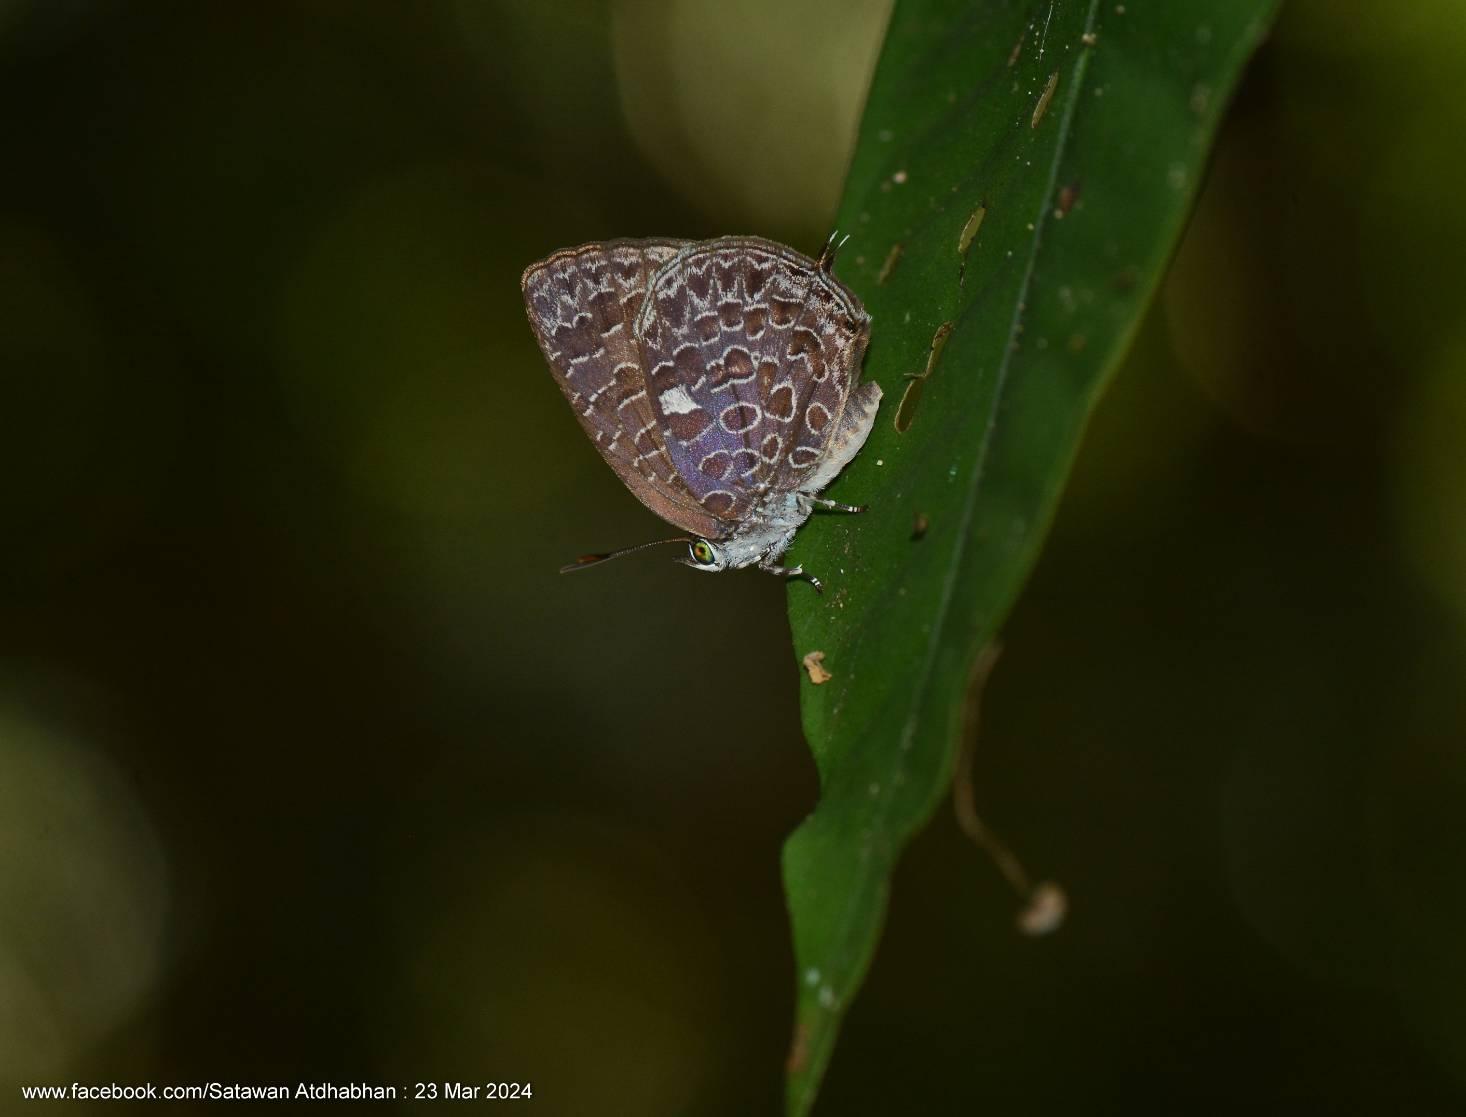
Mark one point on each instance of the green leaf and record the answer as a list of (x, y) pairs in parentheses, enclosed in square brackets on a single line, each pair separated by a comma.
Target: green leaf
[(1021, 177)]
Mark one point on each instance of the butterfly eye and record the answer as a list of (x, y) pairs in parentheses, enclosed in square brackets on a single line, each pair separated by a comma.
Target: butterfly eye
[(702, 552)]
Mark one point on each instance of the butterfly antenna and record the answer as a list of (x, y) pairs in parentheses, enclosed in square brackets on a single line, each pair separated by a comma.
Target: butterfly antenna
[(826, 262), (591, 560)]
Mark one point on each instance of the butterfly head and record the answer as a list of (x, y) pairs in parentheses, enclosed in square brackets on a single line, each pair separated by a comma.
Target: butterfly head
[(705, 555)]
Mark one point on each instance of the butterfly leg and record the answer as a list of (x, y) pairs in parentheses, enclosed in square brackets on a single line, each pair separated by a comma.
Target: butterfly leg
[(793, 572), (835, 505)]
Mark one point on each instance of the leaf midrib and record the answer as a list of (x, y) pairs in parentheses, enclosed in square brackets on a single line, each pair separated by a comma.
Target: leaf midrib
[(1041, 224)]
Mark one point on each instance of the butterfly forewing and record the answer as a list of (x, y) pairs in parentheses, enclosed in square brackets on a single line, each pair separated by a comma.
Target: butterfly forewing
[(583, 303), (751, 351)]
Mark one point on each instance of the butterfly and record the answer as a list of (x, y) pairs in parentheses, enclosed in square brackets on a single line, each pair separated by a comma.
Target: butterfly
[(718, 378)]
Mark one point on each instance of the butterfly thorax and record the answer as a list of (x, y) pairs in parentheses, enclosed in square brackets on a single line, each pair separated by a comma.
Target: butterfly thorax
[(765, 536)]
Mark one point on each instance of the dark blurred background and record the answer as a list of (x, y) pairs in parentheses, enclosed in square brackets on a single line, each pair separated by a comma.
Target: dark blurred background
[(312, 768)]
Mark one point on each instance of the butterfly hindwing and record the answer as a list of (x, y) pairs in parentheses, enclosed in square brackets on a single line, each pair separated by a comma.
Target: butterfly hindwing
[(751, 352)]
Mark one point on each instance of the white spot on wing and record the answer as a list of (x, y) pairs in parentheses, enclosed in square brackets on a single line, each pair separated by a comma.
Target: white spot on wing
[(676, 401)]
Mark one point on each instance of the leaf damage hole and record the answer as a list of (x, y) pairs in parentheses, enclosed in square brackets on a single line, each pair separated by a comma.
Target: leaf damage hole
[(967, 236), (1043, 99), (893, 258), (1017, 51), (916, 381), (798, 1057), (1068, 196)]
